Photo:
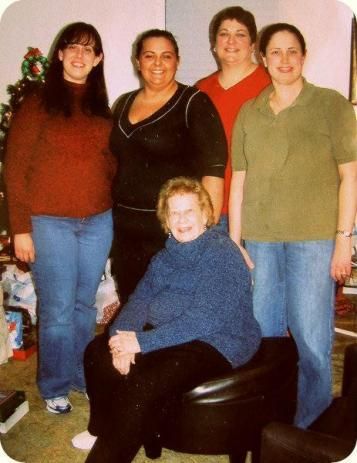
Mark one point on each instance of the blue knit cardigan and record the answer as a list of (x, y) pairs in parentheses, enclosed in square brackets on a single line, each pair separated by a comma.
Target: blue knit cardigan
[(199, 290)]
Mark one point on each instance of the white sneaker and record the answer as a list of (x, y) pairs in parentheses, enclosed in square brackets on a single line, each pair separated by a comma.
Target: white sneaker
[(58, 405), (84, 440)]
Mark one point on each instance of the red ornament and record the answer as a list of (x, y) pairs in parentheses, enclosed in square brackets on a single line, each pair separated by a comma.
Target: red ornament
[(35, 69)]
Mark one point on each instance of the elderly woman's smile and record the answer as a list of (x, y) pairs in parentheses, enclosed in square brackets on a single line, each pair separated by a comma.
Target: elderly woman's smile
[(185, 219)]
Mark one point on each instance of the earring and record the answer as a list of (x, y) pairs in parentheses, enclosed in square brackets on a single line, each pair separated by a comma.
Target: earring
[(170, 234), (214, 49)]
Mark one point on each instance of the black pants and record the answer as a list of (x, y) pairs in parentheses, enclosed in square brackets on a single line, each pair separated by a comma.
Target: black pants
[(124, 410), (138, 237)]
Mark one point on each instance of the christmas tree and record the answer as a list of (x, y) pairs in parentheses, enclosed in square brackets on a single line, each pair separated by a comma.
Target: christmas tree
[(33, 68)]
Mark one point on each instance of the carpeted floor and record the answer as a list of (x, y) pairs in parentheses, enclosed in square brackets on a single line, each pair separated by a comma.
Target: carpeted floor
[(40, 437)]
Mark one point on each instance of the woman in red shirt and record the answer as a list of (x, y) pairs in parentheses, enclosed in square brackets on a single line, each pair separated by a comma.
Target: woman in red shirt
[(58, 173), (233, 34)]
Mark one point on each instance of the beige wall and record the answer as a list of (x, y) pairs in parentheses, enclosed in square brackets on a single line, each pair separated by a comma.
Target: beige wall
[(36, 22), (325, 24)]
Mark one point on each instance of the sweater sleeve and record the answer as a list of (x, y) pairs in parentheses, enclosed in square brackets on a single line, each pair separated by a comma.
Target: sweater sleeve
[(222, 293), (207, 135), (134, 314), (21, 146)]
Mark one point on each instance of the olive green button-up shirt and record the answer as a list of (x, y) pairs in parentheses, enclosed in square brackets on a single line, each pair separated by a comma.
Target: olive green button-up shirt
[(291, 162)]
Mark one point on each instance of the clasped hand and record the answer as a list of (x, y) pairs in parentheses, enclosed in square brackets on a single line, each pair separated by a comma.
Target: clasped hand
[(123, 347)]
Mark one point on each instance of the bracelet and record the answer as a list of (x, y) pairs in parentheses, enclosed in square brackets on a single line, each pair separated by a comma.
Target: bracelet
[(345, 233)]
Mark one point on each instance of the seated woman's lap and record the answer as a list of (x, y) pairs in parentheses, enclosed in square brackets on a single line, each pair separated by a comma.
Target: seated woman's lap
[(127, 402)]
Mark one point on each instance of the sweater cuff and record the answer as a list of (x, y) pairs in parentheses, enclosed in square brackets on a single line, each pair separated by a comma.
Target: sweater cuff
[(20, 227), (144, 342)]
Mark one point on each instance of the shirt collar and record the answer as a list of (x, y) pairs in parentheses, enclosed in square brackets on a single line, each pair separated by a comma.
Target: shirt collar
[(303, 99)]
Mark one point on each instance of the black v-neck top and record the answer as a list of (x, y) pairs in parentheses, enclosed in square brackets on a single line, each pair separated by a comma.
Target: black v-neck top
[(184, 137)]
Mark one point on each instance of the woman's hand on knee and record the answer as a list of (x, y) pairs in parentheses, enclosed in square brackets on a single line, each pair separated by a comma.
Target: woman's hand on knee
[(122, 362), (24, 247), (124, 341)]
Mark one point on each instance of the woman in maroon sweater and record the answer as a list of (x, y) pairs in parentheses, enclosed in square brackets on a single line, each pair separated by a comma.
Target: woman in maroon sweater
[(58, 173)]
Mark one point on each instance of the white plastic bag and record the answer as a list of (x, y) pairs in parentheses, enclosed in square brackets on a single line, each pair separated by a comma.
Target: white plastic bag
[(107, 299), (20, 289), (5, 344)]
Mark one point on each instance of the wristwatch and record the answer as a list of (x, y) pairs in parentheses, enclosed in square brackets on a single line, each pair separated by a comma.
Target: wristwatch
[(345, 233)]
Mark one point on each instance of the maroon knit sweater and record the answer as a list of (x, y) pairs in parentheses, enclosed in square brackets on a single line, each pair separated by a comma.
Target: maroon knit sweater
[(57, 165)]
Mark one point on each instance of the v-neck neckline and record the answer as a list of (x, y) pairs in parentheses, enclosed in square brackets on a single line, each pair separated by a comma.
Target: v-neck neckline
[(128, 128)]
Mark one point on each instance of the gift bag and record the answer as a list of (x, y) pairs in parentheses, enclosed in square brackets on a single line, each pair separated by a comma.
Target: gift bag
[(15, 327), (107, 300)]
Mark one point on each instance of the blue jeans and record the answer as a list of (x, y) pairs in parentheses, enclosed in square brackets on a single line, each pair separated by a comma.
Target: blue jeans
[(70, 258), (293, 290)]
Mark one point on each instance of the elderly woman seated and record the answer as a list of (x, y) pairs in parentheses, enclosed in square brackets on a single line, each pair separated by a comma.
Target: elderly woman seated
[(189, 319)]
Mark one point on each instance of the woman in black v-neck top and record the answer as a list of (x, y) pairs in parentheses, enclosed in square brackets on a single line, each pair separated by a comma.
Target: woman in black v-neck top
[(163, 130)]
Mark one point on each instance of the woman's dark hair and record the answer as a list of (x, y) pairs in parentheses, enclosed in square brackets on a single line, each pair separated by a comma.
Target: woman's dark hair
[(233, 12), (138, 46), (269, 31), (57, 96)]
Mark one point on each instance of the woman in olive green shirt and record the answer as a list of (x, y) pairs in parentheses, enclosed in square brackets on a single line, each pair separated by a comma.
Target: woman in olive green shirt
[(293, 201)]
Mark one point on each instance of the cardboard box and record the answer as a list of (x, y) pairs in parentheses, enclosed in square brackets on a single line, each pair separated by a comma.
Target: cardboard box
[(9, 401), (20, 411)]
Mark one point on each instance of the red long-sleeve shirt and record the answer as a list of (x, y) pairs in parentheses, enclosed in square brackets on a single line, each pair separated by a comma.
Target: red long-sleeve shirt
[(228, 103), (57, 165)]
